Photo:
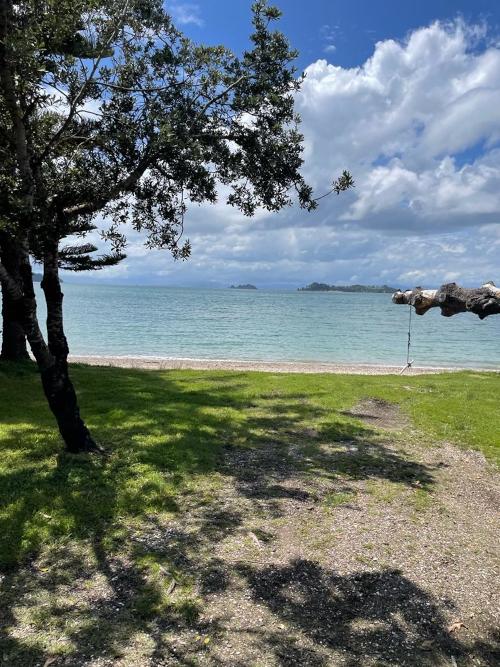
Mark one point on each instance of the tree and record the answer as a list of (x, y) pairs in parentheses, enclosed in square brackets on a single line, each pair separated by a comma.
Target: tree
[(76, 258), (452, 299), (109, 109)]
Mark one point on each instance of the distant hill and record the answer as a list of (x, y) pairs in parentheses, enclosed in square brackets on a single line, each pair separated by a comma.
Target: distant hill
[(248, 286), (323, 287)]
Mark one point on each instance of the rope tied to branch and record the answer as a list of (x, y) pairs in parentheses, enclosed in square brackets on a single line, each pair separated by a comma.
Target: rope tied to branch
[(408, 362)]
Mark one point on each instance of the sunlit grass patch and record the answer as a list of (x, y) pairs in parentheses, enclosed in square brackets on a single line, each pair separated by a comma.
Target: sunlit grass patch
[(385, 491), (336, 499)]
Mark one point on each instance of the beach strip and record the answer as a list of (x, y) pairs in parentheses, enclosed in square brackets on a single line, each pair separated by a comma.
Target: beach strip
[(165, 363)]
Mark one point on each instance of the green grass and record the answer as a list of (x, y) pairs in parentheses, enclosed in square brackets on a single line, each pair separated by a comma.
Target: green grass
[(332, 499), (165, 430), (385, 491), (75, 518)]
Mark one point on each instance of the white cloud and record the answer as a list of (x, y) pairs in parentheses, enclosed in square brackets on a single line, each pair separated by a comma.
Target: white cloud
[(444, 194), (329, 35), (424, 98), (185, 13), (418, 126)]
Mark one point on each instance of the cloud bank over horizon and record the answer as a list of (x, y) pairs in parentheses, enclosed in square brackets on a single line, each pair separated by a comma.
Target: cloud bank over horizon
[(418, 126)]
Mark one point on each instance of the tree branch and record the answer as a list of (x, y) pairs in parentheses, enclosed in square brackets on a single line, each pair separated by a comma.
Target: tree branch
[(87, 208), (73, 107), (219, 96), (452, 299), (341, 184)]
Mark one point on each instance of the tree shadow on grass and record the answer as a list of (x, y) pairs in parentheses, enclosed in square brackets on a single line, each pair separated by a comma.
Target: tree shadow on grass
[(167, 435)]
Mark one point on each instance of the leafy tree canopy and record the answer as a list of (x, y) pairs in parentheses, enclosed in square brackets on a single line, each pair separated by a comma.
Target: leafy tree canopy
[(125, 116)]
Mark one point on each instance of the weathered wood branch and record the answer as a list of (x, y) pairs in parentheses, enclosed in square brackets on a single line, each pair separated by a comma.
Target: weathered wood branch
[(453, 299)]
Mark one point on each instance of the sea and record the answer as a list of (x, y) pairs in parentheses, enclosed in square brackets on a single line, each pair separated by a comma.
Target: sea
[(270, 325)]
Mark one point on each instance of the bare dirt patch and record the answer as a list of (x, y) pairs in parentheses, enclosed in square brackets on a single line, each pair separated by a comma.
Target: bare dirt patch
[(379, 413)]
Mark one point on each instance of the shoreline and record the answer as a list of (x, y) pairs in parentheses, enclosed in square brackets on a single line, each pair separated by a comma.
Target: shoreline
[(166, 363)]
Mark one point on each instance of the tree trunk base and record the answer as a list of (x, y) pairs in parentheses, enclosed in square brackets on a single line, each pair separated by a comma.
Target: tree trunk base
[(14, 354), (62, 400)]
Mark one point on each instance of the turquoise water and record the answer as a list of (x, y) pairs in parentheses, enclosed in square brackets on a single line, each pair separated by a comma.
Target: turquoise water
[(269, 325)]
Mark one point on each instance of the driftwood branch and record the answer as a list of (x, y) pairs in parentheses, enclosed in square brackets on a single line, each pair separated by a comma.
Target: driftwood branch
[(452, 299)]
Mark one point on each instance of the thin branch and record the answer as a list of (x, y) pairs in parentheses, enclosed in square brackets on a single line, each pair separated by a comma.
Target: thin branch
[(220, 96), (115, 86), (87, 208), (83, 88), (341, 184)]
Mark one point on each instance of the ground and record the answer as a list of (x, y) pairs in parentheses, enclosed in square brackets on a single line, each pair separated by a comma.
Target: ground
[(252, 520)]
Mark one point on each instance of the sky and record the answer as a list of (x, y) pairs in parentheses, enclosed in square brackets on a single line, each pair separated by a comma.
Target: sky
[(406, 96)]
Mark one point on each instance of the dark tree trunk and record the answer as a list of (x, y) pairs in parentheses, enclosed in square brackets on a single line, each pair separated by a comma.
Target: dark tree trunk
[(13, 337), (452, 299), (51, 359), (63, 402), (56, 382)]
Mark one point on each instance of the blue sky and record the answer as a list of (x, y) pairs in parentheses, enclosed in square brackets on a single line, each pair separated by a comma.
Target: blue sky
[(349, 29), (406, 95)]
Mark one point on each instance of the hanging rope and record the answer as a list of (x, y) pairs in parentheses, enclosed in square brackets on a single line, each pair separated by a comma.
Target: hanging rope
[(408, 362)]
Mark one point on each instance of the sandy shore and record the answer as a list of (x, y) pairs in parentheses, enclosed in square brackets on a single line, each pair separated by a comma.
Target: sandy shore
[(161, 363)]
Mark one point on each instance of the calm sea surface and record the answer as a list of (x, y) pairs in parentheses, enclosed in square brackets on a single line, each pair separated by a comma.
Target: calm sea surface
[(269, 325)]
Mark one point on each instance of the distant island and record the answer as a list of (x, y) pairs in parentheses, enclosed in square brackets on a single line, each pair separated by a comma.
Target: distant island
[(323, 287), (248, 286)]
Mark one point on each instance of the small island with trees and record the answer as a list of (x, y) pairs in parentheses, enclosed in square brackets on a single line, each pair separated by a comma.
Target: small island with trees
[(323, 287), (247, 286)]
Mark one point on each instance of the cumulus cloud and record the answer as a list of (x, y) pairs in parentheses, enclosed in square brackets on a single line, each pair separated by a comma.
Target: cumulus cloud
[(420, 101), (419, 128)]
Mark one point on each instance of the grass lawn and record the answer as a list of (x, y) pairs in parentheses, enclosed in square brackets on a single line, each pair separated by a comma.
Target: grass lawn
[(165, 433)]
